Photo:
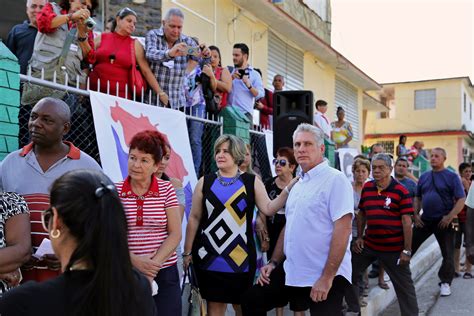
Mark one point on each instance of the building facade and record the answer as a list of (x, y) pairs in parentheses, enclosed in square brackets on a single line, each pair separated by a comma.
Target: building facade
[(438, 112)]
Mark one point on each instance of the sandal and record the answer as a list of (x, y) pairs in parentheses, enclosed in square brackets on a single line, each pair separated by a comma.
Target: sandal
[(384, 285), (467, 275)]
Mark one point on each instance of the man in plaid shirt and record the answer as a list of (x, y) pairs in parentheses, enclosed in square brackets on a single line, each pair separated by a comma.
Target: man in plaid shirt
[(168, 52)]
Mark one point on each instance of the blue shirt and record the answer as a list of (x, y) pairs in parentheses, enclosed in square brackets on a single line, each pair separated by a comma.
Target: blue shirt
[(450, 188), (241, 96), (410, 185), (20, 42)]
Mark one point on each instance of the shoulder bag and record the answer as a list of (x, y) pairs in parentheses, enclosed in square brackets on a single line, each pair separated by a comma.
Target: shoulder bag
[(136, 79), (192, 302), (32, 93)]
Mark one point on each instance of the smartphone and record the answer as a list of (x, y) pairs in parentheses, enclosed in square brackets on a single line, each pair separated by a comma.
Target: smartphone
[(192, 50)]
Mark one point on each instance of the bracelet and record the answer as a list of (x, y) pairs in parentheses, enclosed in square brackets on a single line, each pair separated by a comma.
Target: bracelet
[(186, 254), (250, 88), (273, 263), (82, 39), (69, 17), (161, 93), (286, 190)]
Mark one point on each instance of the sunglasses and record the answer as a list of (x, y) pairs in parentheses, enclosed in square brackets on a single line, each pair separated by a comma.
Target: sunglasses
[(46, 216), (281, 162)]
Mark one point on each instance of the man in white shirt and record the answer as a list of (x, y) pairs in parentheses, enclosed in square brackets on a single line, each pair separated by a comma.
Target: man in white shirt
[(319, 214), (320, 119)]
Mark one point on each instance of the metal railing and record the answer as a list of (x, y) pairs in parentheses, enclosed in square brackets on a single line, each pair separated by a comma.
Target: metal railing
[(82, 132)]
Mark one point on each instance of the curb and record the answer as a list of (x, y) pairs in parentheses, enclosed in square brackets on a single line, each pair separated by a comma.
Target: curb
[(379, 299)]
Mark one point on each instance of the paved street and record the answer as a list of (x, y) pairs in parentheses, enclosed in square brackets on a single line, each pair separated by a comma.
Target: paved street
[(461, 301)]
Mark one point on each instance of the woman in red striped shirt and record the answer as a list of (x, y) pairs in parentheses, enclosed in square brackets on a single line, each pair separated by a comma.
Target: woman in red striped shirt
[(154, 222)]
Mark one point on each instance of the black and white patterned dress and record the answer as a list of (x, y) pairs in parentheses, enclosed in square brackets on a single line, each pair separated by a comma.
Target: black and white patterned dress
[(11, 204)]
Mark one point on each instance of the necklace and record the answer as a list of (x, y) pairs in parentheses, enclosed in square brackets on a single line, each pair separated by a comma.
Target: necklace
[(227, 183)]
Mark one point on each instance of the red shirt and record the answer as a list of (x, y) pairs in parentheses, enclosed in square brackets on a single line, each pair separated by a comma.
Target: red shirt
[(44, 18), (146, 217), (383, 211), (267, 109)]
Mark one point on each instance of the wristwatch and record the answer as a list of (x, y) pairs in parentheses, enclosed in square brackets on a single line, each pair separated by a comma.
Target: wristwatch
[(407, 252)]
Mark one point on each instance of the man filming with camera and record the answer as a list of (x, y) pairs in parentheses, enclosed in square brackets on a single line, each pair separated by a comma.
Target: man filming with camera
[(246, 82), (168, 52)]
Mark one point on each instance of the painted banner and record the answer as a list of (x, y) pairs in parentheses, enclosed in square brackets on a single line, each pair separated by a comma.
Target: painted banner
[(117, 120), (346, 158)]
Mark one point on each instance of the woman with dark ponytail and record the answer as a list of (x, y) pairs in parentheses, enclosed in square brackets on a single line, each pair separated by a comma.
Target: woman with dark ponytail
[(88, 231)]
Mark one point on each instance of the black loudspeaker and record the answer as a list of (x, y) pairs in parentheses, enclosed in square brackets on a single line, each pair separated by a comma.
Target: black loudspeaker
[(290, 109)]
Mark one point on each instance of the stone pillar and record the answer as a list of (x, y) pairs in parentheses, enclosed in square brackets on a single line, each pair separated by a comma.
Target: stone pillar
[(9, 101)]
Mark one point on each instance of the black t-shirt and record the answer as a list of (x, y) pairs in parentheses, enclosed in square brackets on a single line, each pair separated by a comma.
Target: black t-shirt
[(60, 295)]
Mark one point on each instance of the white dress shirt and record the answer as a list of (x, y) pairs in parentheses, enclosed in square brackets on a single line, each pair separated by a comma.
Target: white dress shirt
[(321, 196), (323, 123)]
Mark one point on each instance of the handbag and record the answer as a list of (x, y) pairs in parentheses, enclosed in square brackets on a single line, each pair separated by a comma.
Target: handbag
[(136, 79), (212, 105), (32, 93), (192, 302)]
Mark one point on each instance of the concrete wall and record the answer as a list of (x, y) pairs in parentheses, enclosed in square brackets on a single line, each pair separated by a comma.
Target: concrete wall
[(452, 144), (9, 101)]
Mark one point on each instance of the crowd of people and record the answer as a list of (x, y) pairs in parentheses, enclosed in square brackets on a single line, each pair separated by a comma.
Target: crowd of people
[(172, 69), (94, 247)]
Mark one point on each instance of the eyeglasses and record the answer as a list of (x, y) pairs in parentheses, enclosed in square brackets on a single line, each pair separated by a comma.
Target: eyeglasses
[(46, 217), (281, 162), (34, 6)]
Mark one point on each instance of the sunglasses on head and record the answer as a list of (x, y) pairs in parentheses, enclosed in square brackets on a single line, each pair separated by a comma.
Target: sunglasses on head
[(281, 162), (126, 11), (46, 216)]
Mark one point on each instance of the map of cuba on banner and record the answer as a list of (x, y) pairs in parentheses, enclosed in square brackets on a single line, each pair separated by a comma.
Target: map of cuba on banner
[(117, 120)]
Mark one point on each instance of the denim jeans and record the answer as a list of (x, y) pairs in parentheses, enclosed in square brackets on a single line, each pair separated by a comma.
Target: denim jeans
[(195, 131)]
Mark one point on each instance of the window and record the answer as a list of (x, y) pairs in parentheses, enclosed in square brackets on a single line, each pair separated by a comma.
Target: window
[(285, 60), (425, 99), (346, 96), (464, 102), (388, 146)]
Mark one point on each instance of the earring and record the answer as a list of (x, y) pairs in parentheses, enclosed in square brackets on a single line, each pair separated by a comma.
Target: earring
[(55, 235)]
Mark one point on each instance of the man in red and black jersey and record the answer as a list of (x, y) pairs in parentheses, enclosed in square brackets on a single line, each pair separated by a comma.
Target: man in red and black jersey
[(386, 209)]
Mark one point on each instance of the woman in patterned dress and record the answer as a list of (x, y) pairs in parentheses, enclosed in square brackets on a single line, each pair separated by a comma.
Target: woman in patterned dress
[(15, 244), (219, 235)]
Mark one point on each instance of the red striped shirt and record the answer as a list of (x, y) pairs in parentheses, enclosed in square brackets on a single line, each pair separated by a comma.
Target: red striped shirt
[(37, 203), (383, 211), (146, 217)]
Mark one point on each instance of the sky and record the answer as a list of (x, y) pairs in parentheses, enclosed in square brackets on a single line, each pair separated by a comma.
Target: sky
[(406, 40)]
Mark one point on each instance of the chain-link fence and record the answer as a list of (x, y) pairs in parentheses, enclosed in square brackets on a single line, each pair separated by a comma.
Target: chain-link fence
[(260, 161), (82, 133)]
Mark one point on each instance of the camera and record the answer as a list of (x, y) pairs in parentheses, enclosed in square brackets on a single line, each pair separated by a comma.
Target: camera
[(192, 50), (90, 23), (243, 72)]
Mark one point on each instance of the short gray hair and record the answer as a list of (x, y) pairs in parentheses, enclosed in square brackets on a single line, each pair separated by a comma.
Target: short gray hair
[(173, 12), (316, 131), (237, 148), (384, 157), (442, 150)]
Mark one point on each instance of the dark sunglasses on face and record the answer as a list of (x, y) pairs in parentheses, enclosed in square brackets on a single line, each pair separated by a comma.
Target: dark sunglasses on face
[(281, 162), (46, 216)]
